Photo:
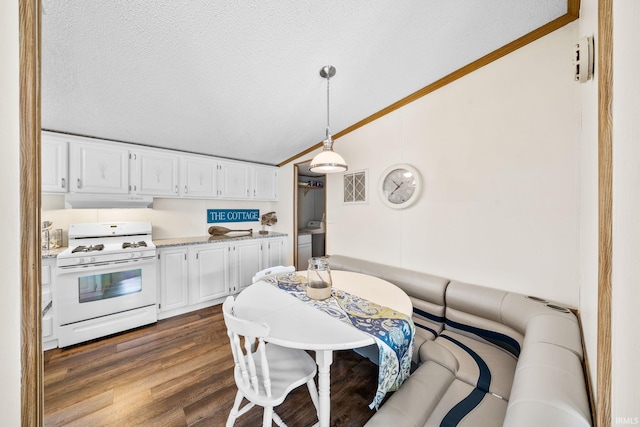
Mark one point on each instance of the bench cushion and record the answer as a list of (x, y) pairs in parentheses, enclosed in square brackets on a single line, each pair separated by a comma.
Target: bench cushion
[(548, 389), (465, 406), (479, 364), (414, 402), (433, 397)]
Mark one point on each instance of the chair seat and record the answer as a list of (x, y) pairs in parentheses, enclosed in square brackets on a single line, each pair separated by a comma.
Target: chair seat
[(288, 369)]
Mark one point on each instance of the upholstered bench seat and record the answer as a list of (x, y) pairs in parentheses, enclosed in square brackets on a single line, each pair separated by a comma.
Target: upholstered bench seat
[(486, 357)]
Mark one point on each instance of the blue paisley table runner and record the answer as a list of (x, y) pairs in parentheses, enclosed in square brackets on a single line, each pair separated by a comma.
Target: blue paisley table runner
[(393, 331)]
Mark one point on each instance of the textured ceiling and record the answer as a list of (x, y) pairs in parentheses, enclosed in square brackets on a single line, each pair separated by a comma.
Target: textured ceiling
[(240, 79)]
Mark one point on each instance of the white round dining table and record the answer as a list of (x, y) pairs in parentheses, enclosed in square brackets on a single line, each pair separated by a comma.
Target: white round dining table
[(295, 324)]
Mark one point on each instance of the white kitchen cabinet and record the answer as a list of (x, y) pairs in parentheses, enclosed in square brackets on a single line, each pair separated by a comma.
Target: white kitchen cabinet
[(233, 180), (198, 177), (54, 164), (265, 183), (247, 261), (304, 251), (174, 278), (155, 173), (98, 167), (209, 274), (273, 252), (202, 274), (49, 332), (87, 165)]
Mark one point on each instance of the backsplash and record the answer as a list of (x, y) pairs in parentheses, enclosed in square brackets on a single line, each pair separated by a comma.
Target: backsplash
[(170, 218)]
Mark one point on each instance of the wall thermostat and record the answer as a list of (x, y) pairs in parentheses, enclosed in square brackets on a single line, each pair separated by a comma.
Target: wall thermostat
[(583, 60)]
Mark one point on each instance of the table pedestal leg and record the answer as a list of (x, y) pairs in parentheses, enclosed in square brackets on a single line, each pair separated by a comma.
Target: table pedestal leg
[(324, 358)]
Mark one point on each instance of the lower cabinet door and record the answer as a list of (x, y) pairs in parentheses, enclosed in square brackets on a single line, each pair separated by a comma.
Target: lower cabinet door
[(210, 274), (304, 253), (274, 254), (249, 262), (174, 279)]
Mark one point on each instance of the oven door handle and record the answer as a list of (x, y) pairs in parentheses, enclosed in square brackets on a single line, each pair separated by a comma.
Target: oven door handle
[(118, 265)]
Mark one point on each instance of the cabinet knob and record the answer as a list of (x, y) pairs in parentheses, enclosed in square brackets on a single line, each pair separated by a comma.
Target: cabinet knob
[(63, 183), (176, 189), (79, 183), (186, 190)]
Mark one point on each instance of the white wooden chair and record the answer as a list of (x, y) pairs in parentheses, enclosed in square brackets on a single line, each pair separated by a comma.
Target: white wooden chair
[(272, 270), (264, 373)]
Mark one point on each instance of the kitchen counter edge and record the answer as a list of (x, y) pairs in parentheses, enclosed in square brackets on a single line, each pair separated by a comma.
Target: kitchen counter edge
[(52, 253), (186, 241)]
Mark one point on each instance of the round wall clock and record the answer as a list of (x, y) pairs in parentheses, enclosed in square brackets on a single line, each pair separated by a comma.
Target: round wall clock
[(399, 186)]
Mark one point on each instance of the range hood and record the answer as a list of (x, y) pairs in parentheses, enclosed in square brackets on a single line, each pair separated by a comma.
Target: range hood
[(106, 201)]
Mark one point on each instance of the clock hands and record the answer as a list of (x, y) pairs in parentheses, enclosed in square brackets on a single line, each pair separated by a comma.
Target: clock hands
[(397, 186)]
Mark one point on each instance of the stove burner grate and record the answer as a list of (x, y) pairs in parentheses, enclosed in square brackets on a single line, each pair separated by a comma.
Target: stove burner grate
[(141, 244), (91, 248)]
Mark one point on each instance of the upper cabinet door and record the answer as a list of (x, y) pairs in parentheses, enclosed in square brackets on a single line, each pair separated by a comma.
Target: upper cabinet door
[(265, 183), (233, 180), (156, 173), (99, 168), (54, 164), (198, 177)]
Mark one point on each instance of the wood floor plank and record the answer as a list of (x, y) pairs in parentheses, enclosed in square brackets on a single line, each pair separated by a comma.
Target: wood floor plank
[(179, 372), (79, 410)]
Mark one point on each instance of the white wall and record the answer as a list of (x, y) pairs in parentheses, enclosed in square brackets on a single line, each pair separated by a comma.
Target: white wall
[(625, 327), (588, 264), (499, 157), (170, 217), (10, 234)]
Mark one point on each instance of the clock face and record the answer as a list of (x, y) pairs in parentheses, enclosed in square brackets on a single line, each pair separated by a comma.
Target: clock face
[(399, 186)]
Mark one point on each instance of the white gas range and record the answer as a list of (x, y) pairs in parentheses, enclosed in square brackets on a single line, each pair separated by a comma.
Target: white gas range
[(106, 280)]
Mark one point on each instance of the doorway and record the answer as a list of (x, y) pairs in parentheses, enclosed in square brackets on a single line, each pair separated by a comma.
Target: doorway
[(309, 213)]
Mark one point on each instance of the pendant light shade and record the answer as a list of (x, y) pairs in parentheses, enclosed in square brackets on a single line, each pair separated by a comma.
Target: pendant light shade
[(328, 161)]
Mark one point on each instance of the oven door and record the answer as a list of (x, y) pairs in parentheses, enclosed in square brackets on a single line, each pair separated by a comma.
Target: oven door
[(88, 292)]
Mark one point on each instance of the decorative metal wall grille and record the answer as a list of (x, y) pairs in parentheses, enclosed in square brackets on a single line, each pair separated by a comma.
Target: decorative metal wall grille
[(355, 187)]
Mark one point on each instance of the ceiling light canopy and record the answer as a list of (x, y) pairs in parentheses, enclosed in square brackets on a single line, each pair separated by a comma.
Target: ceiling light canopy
[(328, 161)]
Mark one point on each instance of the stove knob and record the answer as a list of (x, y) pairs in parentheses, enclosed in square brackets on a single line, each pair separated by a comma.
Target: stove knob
[(138, 254), (132, 255), (92, 259), (81, 261)]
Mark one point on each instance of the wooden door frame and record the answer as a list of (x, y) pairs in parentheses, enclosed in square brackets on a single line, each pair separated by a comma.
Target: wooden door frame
[(295, 214), (605, 211), (32, 375), (295, 210)]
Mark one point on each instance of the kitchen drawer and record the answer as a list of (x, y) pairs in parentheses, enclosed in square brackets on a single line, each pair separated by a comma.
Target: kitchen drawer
[(47, 326), (46, 274), (304, 239)]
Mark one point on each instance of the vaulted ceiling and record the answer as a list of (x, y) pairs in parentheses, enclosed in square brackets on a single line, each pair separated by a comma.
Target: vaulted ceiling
[(240, 79)]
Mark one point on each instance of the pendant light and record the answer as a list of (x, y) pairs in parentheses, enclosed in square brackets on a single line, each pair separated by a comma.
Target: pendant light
[(328, 161)]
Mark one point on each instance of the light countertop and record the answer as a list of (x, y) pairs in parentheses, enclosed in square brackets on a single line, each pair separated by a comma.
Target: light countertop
[(52, 253), (183, 241)]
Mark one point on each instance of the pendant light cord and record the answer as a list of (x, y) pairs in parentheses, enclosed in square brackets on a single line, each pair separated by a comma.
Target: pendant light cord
[(329, 139)]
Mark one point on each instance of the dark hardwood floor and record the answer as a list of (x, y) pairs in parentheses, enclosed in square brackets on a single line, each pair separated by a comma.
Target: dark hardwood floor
[(179, 372)]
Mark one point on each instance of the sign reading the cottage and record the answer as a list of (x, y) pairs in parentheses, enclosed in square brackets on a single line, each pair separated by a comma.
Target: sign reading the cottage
[(232, 215)]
